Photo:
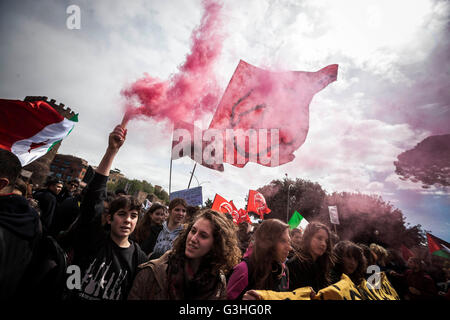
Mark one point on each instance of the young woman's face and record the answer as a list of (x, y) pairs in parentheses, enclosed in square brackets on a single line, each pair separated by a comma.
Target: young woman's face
[(177, 214), (318, 244), (350, 265), (199, 240), (283, 246), (158, 216)]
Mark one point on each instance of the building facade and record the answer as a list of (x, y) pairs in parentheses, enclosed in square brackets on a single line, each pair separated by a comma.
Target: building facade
[(67, 167)]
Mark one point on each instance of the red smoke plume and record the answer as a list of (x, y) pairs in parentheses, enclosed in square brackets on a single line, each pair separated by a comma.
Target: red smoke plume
[(191, 92)]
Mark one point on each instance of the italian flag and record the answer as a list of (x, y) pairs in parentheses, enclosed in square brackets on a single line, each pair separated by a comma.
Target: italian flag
[(297, 221), (438, 247), (31, 129)]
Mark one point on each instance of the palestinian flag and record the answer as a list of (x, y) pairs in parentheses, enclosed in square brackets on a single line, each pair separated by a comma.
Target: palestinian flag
[(438, 247), (297, 221), (31, 129)]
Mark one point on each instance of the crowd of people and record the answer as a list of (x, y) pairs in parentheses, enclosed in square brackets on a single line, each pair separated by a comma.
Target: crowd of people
[(177, 252)]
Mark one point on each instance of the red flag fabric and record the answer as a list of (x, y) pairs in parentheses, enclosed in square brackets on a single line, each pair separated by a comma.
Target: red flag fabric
[(187, 140), (257, 203), (243, 216), (220, 204), (406, 253), (233, 206), (263, 117), (261, 99)]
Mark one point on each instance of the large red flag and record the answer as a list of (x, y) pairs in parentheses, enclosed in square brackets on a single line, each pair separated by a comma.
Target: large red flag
[(257, 203), (261, 99), (263, 116), (187, 140)]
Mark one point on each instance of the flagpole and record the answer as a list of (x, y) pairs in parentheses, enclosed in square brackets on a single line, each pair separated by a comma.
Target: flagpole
[(170, 176), (287, 211), (170, 171), (192, 173)]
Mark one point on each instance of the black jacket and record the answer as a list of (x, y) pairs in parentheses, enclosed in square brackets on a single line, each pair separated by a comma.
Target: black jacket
[(107, 272), (19, 235), (66, 213), (305, 273), (47, 203), (149, 243)]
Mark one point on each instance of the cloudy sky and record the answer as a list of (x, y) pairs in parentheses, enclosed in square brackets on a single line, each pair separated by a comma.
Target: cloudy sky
[(392, 89)]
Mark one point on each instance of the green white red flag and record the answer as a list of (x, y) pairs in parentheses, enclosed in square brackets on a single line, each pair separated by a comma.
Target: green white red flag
[(31, 129), (297, 221)]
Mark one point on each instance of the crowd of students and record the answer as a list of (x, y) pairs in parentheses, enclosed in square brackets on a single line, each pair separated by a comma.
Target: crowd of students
[(180, 252)]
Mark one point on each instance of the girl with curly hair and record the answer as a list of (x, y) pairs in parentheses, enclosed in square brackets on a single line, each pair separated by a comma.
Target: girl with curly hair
[(195, 268)]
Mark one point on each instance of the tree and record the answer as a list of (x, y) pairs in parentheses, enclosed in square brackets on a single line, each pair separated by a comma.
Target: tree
[(304, 196), (363, 218), (368, 218), (208, 203), (162, 194)]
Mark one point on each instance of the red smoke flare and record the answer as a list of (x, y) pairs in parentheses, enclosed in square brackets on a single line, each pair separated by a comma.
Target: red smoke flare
[(191, 92)]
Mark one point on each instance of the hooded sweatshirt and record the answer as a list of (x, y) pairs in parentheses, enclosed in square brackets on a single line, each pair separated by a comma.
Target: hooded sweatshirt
[(165, 240), (19, 234)]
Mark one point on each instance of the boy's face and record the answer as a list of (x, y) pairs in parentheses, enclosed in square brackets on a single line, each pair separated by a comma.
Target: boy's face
[(72, 186), (56, 188), (123, 222)]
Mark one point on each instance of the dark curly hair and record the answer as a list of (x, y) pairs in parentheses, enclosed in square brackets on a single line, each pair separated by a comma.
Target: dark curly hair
[(347, 248), (224, 254), (124, 202)]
